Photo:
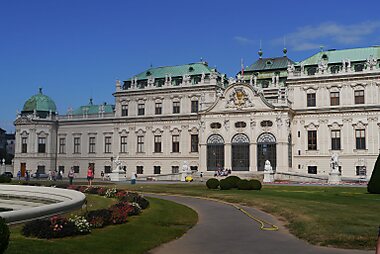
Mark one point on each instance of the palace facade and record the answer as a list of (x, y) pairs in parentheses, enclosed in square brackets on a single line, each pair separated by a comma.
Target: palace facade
[(294, 114)]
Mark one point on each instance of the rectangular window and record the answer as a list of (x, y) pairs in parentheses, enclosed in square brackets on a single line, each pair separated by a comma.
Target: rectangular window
[(124, 110), (194, 106), (62, 145), (334, 98), (312, 170), (175, 143), (141, 109), (107, 170), (311, 100), (157, 143), (41, 169), (156, 170), (91, 145), (76, 145), (24, 145), (76, 169), (41, 145), (335, 140), (312, 140), (361, 170), (107, 144), (140, 144), (158, 108), (176, 107), (139, 170), (175, 169), (194, 143), (359, 97), (61, 169), (123, 144), (360, 139)]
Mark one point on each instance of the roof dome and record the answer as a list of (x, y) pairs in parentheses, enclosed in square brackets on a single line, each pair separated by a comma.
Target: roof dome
[(40, 103)]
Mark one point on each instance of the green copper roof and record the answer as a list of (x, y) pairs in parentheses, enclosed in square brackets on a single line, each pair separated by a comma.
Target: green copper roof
[(175, 71), (91, 109), (40, 103), (336, 56), (276, 63)]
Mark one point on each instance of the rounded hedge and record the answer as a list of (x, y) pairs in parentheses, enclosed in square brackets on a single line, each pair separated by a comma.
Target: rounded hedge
[(225, 184), (373, 186), (255, 184), (4, 235), (244, 184), (233, 180), (212, 183), (5, 179)]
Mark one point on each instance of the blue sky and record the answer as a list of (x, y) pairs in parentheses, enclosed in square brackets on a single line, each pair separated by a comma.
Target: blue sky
[(76, 49)]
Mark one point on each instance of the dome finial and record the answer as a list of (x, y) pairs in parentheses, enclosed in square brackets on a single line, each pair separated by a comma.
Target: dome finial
[(260, 51), (285, 51), (40, 90)]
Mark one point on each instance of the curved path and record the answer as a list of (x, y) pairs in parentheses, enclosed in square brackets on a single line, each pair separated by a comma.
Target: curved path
[(222, 228)]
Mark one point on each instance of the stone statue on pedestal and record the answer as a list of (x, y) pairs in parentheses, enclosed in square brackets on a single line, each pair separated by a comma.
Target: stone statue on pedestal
[(334, 175), (268, 173), (118, 174), (185, 171)]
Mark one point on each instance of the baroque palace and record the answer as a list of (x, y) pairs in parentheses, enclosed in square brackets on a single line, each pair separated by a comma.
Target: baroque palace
[(294, 114)]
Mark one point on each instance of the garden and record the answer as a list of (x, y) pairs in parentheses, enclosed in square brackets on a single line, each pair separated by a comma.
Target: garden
[(108, 224)]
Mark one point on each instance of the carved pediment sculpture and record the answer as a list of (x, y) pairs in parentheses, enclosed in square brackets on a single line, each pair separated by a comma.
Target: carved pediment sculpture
[(239, 98)]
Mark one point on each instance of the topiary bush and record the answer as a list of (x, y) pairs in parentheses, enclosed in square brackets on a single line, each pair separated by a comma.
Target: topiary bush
[(5, 179), (255, 184), (212, 183), (374, 183), (225, 184), (4, 235), (233, 180), (244, 184)]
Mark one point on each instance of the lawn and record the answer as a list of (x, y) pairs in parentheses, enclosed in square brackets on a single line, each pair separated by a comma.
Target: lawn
[(138, 235), (344, 217)]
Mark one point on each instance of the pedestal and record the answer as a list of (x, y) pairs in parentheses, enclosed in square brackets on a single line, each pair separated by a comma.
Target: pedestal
[(334, 178), (118, 176), (184, 174), (268, 177)]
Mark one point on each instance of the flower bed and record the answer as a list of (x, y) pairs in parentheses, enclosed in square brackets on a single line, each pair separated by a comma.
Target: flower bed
[(129, 204)]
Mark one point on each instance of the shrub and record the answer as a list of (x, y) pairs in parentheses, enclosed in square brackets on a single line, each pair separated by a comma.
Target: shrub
[(233, 180), (119, 215), (244, 185), (4, 235), (5, 179), (81, 224), (99, 218), (255, 184), (374, 182), (62, 185), (102, 191), (133, 197), (212, 183), (56, 227), (225, 184)]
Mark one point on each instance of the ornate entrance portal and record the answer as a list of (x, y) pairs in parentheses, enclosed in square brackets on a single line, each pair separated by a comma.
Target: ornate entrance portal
[(266, 150), (215, 152), (240, 152)]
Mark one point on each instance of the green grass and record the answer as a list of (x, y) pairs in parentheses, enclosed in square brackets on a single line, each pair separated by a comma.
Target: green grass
[(161, 222), (341, 217)]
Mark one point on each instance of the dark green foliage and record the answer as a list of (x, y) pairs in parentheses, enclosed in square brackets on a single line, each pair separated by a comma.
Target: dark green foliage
[(233, 180), (244, 185), (374, 183), (133, 197), (212, 183), (56, 227), (99, 218), (255, 184), (225, 184), (4, 235), (62, 185), (5, 179)]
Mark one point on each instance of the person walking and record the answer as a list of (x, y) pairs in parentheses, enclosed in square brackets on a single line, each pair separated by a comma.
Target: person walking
[(71, 175), (19, 175), (90, 175), (102, 175), (201, 176), (133, 178)]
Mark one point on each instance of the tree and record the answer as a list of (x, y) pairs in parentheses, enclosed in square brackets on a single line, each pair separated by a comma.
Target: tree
[(374, 183)]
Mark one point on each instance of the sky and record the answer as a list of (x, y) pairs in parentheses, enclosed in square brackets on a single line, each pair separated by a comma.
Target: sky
[(77, 49)]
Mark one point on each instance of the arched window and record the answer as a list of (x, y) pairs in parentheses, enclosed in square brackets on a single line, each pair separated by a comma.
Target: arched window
[(266, 150), (240, 152), (215, 152)]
